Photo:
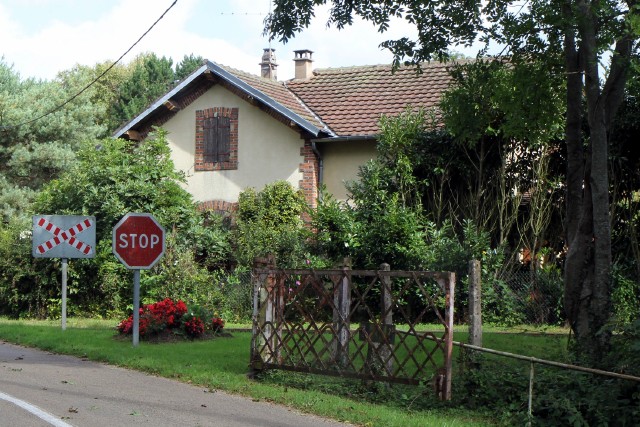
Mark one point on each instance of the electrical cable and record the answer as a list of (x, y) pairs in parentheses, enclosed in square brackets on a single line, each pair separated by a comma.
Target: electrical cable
[(59, 107)]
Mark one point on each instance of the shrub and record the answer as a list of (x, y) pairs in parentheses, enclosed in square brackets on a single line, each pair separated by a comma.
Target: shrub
[(270, 221), (193, 326), (625, 297)]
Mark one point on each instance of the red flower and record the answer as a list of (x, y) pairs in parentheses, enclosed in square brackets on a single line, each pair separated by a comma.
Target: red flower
[(217, 324), (194, 327)]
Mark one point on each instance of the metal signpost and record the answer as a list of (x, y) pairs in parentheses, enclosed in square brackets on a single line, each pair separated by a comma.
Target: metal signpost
[(64, 236), (139, 243)]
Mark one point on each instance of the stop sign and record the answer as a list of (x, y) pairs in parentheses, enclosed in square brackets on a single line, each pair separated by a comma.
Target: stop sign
[(138, 241)]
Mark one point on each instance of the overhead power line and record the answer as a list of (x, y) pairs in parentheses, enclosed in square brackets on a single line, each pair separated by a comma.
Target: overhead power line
[(59, 107)]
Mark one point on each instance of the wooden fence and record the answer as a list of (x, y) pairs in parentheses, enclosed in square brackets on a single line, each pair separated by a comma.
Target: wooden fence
[(366, 324)]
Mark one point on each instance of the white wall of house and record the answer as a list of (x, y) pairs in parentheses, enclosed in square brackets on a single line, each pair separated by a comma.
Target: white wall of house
[(268, 150), (341, 162)]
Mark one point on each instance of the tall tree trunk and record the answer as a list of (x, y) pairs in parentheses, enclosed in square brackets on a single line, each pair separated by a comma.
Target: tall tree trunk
[(575, 152), (578, 250), (588, 264)]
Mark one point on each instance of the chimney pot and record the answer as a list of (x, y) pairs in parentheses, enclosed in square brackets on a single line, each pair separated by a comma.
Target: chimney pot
[(303, 63), (268, 66)]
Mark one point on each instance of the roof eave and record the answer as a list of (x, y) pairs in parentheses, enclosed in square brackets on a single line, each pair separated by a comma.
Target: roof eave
[(346, 138), (232, 80), (158, 103), (268, 101)]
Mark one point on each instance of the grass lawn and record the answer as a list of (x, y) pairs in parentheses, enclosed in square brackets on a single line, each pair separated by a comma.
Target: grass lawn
[(222, 363)]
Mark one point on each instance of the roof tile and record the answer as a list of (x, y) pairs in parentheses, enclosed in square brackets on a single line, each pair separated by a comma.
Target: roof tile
[(351, 100), (277, 91)]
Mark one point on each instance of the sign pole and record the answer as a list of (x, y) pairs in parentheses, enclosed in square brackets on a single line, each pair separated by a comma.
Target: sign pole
[(64, 294), (136, 307)]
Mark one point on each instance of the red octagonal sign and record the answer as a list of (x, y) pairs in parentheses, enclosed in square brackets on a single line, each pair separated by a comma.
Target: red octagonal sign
[(138, 241)]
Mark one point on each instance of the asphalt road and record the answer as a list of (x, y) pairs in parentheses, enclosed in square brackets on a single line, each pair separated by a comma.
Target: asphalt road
[(43, 389)]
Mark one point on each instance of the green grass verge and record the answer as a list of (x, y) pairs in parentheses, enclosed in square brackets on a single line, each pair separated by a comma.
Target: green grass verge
[(222, 363)]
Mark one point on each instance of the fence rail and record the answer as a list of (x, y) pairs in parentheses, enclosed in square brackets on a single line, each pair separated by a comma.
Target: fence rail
[(535, 360)]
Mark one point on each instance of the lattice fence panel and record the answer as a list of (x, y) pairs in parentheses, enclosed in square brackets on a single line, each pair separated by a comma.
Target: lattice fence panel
[(365, 324)]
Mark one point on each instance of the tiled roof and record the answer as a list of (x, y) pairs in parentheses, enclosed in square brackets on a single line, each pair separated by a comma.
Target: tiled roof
[(276, 91), (337, 101), (351, 100)]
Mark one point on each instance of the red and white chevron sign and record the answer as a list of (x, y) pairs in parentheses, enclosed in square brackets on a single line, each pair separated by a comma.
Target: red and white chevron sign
[(63, 236)]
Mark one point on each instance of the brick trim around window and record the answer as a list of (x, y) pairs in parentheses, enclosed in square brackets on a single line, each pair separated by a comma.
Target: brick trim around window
[(201, 115)]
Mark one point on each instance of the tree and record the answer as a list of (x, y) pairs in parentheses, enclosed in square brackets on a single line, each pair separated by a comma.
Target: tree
[(37, 139), (188, 65), (151, 77), (508, 121), (104, 92), (569, 36)]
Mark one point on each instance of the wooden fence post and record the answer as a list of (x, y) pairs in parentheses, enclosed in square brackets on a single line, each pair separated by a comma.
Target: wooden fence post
[(382, 332), (267, 315), (385, 349), (341, 311), (475, 306), (449, 311)]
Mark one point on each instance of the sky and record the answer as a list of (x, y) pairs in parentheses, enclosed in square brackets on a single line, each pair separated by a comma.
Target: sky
[(39, 38)]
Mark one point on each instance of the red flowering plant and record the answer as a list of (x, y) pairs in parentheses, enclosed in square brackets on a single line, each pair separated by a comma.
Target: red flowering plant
[(193, 326), (200, 320), (174, 317), (217, 324), (155, 318)]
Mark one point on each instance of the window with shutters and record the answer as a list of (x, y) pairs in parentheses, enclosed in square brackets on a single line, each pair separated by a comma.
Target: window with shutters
[(216, 139)]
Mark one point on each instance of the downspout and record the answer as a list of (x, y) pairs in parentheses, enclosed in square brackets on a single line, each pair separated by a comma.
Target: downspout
[(315, 150)]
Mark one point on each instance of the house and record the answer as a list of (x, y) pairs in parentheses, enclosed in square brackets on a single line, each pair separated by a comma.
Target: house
[(229, 130)]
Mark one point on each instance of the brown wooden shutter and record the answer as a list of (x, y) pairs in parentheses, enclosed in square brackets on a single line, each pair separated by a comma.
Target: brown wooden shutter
[(217, 139), (210, 139), (224, 139)]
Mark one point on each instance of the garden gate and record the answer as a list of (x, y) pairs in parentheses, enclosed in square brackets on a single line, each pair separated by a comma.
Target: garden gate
[(354, 323)]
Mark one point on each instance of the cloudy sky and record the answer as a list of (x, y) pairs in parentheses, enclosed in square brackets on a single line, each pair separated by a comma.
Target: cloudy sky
[(42, 37)]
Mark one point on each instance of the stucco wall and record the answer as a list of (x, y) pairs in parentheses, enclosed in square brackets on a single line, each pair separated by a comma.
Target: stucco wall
[(341, 162), (267, 149)]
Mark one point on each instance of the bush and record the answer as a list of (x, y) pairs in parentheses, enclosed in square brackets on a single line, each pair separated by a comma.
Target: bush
[(625, 297), (27, 285), (269, 222), (237, 289), (560, 397)]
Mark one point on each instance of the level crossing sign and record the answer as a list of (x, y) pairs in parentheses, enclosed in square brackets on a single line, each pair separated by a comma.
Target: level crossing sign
[(64, 236)]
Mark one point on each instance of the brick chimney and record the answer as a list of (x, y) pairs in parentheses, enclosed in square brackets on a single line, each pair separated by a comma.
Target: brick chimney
[(268, 66), (303, 63)]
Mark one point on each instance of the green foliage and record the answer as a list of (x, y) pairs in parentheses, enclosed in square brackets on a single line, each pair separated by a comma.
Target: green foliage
[(237, 288), (337, 231), (386, 199), (179, 276), (269, 222), (32, 151), (560, 397), (114, 177), (103, 92), (625, 297), (25, 283), (151, 77), (189, 64), (494, 98)]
